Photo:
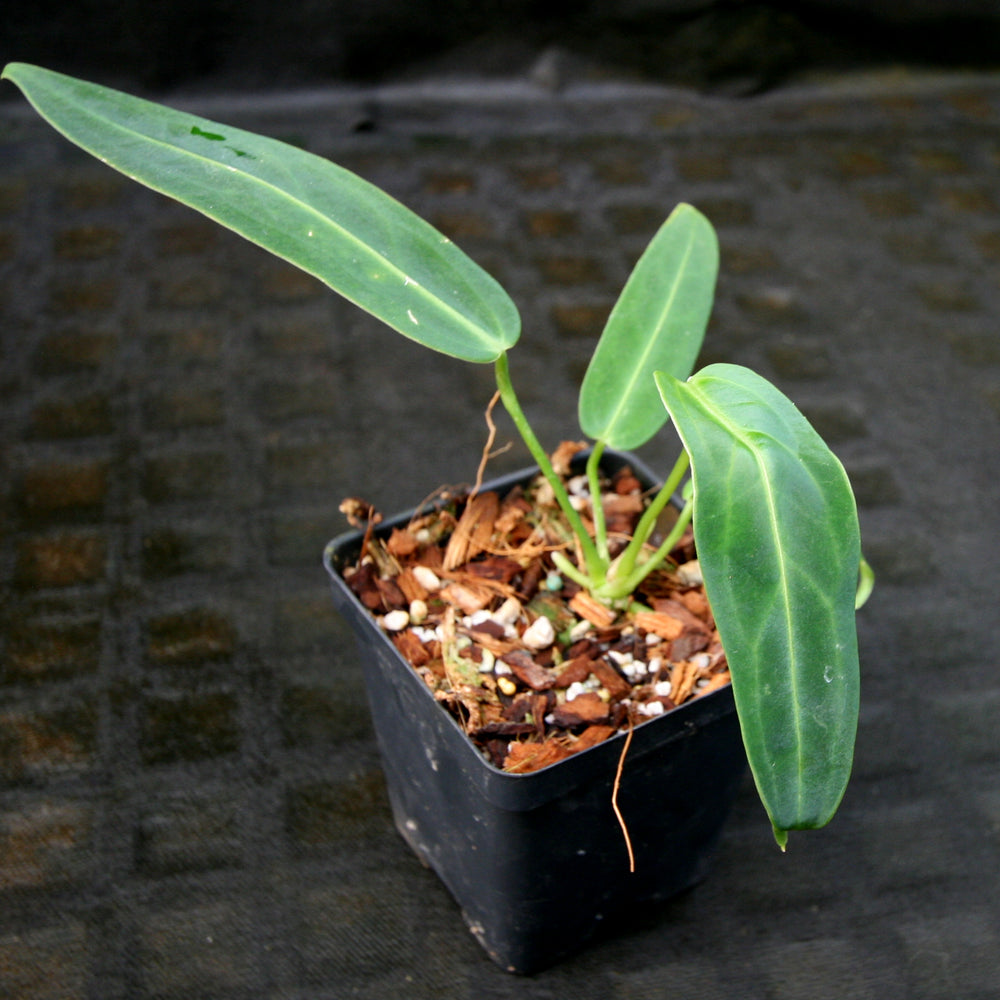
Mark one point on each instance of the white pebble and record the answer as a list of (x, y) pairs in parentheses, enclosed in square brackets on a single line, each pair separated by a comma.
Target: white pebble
[(418, 611), (487, 662), (622, 659), (662, 689), (575, 689), (690, 574), (651, 708), (635, 670), (395, 621), (508, 612), (580, 629), (540, 634), (426, 577)]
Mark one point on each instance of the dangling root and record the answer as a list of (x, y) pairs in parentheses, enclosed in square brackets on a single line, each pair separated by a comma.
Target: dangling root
[(487, 452), (614, 798)]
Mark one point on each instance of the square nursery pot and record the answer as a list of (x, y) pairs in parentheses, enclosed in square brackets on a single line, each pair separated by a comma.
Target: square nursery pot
[(537, 861)]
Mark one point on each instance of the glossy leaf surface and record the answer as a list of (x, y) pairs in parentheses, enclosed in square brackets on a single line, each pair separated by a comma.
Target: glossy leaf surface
[(777, 537), (320, 217), (657, 324)]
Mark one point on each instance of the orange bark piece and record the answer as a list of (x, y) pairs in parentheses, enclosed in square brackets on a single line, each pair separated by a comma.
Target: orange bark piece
[(392, 596), (715, 682), (524, 757), (680, 611), (412, 588), (498, 647), (659, 623), (467, 599), (474, 529), (689, 642), (626, 482), (697, 603), (591, 736), (624, 505), (586, 709), (401, 543), (576, 671), (682, 678), (498, 568), (412, 649), (590, 608), (528, 672), (512, 514), (562, 457)]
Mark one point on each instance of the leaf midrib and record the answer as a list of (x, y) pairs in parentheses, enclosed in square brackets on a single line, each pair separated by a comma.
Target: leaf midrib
[(735, 431), (648, 350)]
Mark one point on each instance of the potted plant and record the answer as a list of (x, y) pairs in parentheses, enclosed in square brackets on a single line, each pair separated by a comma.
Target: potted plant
[(538, 860)]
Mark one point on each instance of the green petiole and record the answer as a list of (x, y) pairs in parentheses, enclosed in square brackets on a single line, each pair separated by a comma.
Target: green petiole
[(647, 522), (596, 507), (591, 557)]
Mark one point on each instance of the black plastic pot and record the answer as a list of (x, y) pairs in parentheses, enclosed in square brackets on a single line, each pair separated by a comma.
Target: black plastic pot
[(538, 862)]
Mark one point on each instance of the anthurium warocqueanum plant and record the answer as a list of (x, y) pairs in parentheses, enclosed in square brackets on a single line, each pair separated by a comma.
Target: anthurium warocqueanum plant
[(773, 513)]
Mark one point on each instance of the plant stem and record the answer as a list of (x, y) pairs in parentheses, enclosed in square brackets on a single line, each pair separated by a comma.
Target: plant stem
[(568, 569), (623, 586), (510, 401), (596, 505), (627, 560)]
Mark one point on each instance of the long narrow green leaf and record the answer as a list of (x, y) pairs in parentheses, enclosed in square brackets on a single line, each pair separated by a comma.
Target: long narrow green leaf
[(777, 536), (320, 217), (657, 324)]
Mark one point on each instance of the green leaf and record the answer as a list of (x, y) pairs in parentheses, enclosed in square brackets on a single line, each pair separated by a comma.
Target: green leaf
[(777, 537), (657, 324), (320, 217)]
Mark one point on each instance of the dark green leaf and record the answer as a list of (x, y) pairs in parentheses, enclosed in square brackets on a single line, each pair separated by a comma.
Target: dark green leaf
[(777, 537)]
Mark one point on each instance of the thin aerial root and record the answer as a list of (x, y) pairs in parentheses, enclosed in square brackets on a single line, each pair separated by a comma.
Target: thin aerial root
[(614, 799), (487, 448)]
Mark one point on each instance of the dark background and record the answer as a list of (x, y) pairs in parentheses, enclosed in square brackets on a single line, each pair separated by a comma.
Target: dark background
[(731, 45)]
